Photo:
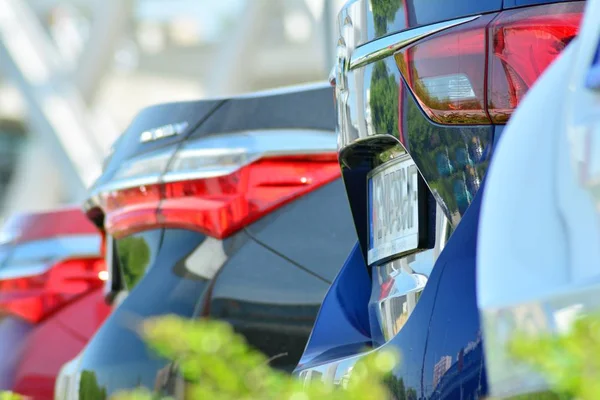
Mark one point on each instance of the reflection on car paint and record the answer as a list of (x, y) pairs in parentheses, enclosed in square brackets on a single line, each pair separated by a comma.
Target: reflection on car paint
[(593, 76), (432, 147), (382, 17)]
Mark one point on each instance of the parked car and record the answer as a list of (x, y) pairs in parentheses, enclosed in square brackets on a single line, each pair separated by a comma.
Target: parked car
[(538, 269), (423, 91), (231, 209), (52, 275)]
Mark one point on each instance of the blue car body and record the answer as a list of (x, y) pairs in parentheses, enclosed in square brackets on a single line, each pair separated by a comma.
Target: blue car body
[(381, 119)]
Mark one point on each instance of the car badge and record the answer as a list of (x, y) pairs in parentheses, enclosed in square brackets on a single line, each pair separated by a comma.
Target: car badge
[(163, 132), (592, 80)]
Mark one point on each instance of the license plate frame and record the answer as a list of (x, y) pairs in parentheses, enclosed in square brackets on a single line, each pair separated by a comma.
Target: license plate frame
[(397, 194)]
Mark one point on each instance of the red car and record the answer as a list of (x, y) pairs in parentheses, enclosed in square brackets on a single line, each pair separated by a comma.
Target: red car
[(52, 275)]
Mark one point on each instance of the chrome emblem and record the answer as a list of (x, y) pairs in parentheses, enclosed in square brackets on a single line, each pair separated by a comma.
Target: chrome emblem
[(163, 132)]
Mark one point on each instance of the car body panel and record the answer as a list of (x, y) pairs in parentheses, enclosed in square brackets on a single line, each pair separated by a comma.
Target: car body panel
[(309, 108), (379, 18), (428, 335), (129, 145), (57, 339), (35, 248), (214, 116), (116, 357), (552, 137), (264, 279), (269, 300), (380, 120), (521, 3), (406, 127), (453, 362), (13, 334), (322, 219), (373, 19)]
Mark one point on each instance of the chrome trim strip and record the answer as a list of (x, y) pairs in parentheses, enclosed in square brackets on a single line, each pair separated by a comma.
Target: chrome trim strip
[(224, 154), (388, 45), (247, 146), (332, 75), (38, 256), (123, 184)]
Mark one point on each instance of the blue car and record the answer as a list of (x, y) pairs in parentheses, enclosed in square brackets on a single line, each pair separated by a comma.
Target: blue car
[(423, 91)]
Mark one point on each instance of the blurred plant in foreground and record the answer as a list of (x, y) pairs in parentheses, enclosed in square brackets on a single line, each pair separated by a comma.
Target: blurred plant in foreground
[(216, 363), (9, 396), (570, 362)]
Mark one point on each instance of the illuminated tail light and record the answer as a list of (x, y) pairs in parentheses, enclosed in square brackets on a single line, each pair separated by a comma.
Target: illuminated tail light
[(49, 259), (35, 296), (219, 184), (478, 72)]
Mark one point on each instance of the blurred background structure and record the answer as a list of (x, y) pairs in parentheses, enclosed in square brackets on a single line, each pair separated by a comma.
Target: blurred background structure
[(73, 73)]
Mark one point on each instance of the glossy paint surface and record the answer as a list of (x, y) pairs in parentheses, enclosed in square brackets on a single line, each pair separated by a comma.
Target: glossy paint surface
[(267, 299), (556, 160), (116, 357), (344, 308), (323, 233), (34, 261), (379, 120), (56, 341), (438, 360), (33, 354), (372, 19), (13, 334), (268, 279), (268, 289), (452, 160), (128, 145), (309, 107), (521, 3), (453, 362)]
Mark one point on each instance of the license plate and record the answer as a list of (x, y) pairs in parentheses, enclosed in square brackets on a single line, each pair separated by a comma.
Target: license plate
[(393, 209)]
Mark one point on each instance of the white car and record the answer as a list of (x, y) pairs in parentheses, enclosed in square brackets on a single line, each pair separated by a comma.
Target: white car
[(538, 262)]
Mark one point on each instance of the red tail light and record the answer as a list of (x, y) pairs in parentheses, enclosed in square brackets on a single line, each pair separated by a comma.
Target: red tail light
[(36, 296), (49, 259), (386, 288), (478, 72), (219, 184), (220, 206)]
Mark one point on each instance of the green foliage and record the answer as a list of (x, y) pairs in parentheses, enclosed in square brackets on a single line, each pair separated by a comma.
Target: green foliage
[(569, 362), (89, 388), (10, 396), (217, 363), (384, 12), (134, 257), (384, 100)]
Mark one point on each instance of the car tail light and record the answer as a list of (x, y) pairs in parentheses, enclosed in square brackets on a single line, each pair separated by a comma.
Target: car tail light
[(49, 259), (477, 72), (51, 286), (219, 184)]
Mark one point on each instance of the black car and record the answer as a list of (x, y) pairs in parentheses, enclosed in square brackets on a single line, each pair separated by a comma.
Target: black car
[(231, 209)]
